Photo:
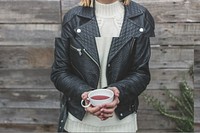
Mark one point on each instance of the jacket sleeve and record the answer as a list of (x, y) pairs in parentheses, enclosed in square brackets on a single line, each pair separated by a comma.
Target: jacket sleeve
[(139, 76), (62, 75)]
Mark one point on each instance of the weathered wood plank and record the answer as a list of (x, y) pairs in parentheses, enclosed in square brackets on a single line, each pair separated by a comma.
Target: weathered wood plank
[(197, 98), (30, 99), (169, 78), (28, 116), (173, 10), (197, 115), (152, 120), (197, 67), (50, 99), (197, 78), (165, 11), (196, 127), (197, 109), (40, 78), (30, 11), (169, 57), (197, 88), (176, 34), (160, 95), (27, 57), (29, 34), (68, 4), (43, 34), (17, 57), (35, 78), (27, 128)]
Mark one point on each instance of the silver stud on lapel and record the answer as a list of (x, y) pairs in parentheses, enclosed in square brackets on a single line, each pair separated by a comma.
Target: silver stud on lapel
[(141, 30), (78, 30)]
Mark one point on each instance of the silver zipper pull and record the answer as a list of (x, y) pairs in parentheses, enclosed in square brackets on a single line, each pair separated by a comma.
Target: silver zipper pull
[(79, 52)]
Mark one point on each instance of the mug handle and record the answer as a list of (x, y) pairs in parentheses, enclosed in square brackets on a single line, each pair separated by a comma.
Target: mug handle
[(85, 106)]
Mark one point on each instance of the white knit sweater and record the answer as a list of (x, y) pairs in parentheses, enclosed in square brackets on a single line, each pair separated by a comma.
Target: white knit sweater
[(110, 19)]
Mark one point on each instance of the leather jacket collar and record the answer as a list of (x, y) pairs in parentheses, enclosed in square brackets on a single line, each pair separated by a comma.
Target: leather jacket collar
[(130, 28)]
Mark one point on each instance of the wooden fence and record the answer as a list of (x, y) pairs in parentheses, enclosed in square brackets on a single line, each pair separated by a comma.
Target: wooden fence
[(28, 100)]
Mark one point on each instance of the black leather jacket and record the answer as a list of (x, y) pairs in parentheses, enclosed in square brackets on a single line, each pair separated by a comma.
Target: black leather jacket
[(76, 67)]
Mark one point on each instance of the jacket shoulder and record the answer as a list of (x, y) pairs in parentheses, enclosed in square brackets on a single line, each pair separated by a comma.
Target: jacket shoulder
[(146, 15), (71, 14)]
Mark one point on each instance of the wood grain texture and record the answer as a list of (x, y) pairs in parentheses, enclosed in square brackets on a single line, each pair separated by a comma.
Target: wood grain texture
[(197, 115), (26, 57), (27, 128), (29, 34), (25, 78), (173, 10), (29, 99), (28, 116), (147, 121), (197, 88), (196, 127), (30, 11), (17, 57), (40, 78), (169, 78), (67, 5), (196, 98), (165, 11), (182, 34), (171, 57), (197, 67), (159, 94)]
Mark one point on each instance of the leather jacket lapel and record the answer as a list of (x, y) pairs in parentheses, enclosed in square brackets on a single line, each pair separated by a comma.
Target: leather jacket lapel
[(88, 31), (130, 29)]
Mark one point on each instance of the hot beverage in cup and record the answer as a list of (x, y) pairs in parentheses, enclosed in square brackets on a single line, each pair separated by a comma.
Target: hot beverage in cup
[(98, 97)]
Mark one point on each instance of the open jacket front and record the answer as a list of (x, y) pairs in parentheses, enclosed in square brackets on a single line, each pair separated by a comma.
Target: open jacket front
[(76, 68)]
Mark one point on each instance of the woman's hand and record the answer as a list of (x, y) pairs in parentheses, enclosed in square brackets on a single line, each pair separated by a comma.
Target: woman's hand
[(96, 111), (107, 110), (104, 111)]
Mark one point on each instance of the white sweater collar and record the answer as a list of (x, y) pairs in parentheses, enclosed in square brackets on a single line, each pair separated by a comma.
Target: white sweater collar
[(109, 10)]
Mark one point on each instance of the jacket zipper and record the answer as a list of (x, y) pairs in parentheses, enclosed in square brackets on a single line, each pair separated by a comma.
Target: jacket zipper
[(91, 58), (77, 49), (93, 61), (80, 53)]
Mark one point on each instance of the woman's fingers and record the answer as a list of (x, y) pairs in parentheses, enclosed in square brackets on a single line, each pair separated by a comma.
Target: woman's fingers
[(114, 103), (84, 95), (104, 115), (108, 109), (115, 90), (94, 110)]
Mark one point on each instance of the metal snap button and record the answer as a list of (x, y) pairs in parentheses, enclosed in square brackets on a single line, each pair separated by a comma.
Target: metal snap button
[(78, 30), (141, 29)]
